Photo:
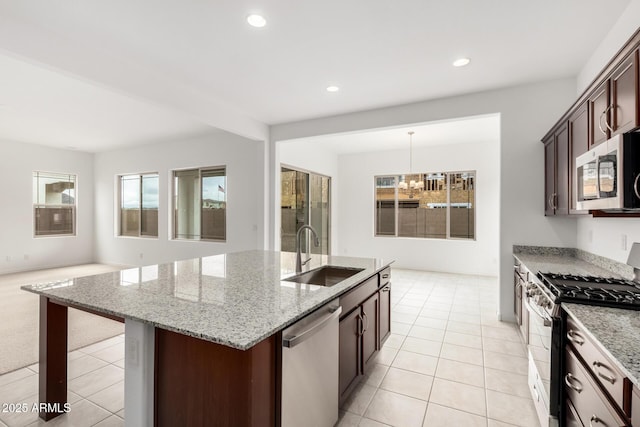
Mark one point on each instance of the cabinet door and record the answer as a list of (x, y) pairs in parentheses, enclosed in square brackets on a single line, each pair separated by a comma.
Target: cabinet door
[(385, 313), (370, 310), (350, 328), (578, 144), (561, 198), (598, 115), (624, 95), (549, 176)]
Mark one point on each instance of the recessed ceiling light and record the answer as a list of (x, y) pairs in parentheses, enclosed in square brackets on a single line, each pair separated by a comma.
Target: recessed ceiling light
[(333, 88), (461, 62), (257, 21)]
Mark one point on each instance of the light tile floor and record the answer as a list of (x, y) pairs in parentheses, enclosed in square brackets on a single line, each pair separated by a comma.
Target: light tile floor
[(448, 362), (95, 389)]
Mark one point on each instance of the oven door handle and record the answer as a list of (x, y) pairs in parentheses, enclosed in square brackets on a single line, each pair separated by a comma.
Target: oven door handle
[(545, 317)]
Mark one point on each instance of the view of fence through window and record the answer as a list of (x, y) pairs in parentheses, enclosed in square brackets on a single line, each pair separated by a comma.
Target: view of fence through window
[(438, 205), (139, 205), (54, 204)]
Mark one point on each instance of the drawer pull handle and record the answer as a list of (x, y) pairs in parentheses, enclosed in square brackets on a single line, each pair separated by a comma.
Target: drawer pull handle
[(385, 276), (575, 337), (593, 419), (567, 380), (386, 289), (609, 378)]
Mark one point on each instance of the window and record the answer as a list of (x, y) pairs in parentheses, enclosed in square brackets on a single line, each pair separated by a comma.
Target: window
[(437, 205), (139, 205), (200, 204), (54, 204)]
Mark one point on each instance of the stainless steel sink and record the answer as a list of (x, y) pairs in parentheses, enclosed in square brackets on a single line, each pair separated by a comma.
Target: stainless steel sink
[(327, 275)]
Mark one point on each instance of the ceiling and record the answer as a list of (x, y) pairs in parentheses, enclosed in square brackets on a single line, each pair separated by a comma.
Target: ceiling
[(465, 130), (197, 63)]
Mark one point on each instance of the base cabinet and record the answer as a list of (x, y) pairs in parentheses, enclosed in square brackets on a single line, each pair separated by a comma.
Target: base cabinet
[(364, 326)]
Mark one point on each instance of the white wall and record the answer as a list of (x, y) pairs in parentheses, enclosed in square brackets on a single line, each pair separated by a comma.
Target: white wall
[(245, 198), (356, 207), (19, 161), (527, 113), (603, 236), (310, 156), (621, 31)]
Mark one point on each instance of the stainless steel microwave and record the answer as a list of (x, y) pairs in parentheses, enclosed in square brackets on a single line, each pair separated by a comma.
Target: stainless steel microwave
[(608, 174)]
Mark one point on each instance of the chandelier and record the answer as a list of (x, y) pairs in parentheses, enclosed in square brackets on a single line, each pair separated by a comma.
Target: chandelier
[(413, 185)]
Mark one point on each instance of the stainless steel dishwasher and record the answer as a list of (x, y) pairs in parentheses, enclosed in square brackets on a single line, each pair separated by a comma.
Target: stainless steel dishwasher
[(310, 369)]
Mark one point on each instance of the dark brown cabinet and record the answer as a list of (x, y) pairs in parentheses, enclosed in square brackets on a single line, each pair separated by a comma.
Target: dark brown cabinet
[(370, 342), (635, 407), (385, 313), (597, 389), (365, 324), (556, 161), (349, 331), (614, 103), (624, 110), (598, 114), (578, 144)]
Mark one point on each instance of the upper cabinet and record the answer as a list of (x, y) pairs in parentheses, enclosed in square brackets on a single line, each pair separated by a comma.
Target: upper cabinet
[(556, 161), (578, 144), (624, 110), (614, 103), (609, 106)]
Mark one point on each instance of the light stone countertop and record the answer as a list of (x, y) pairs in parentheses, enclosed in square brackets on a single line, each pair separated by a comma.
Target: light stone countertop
[(561, 264), (617, 330), (236, 299)]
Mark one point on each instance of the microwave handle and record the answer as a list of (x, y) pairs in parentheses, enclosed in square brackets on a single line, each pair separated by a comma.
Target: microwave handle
[(635, 186)]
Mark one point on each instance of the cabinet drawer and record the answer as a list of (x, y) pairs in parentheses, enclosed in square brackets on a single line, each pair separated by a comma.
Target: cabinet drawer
[(573, 420), (355, 296), (635, 407), (591, 405), (607, 374), (385, 276)]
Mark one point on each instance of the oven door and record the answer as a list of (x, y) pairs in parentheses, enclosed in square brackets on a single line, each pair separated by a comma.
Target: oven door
[(543, 362)]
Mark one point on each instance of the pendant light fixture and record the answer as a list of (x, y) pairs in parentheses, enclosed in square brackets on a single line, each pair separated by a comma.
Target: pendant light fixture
[(413, 185)]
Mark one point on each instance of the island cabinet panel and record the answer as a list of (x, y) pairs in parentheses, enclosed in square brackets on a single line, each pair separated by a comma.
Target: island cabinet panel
[(370, 331), (200, 383), (635, 407), (350, 327), (385, 313)]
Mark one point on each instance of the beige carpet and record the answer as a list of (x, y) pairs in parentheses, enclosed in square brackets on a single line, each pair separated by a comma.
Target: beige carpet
[(19, 311)]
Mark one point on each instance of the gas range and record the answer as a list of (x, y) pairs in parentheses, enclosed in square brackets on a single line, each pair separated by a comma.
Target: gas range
[(603, 291)]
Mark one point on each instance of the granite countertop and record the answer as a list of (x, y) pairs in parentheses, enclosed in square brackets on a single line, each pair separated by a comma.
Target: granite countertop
[(618, 330), (235, 299), (562, 263)]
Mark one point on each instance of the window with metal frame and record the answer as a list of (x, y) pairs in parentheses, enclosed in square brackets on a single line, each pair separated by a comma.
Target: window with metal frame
[(54, 204), (139, 205), (437, 205), (200, 204)]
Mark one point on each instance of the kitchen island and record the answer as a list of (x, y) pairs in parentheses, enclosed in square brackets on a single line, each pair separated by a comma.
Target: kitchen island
[(202, 336)]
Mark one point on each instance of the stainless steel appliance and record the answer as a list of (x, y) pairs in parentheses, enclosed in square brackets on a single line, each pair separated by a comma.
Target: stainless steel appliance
[(310, 369), (608, 175), (546, 328), (544, 344)]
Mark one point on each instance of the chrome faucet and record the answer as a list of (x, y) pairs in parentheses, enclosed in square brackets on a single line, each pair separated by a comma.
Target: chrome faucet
[(316, 243)]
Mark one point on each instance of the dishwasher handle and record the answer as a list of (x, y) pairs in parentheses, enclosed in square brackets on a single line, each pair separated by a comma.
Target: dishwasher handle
[(294, 340)]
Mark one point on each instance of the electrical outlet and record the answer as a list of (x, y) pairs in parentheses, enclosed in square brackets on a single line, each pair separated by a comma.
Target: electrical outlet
[(133, 351), (590, 238), (623, 242), (8, 258), (26, 257), (141, 255)]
